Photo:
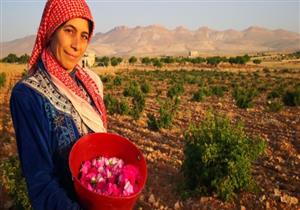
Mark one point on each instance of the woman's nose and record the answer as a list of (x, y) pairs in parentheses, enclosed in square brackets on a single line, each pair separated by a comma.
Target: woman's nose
[(76, 43)]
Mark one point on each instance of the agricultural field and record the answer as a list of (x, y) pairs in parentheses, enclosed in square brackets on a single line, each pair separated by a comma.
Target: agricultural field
[(155, 108)]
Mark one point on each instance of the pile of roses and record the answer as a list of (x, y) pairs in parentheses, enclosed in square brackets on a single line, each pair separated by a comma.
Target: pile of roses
[(109, 176)]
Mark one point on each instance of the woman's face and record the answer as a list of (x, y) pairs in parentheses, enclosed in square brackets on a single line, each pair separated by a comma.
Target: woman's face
[(70, 41)]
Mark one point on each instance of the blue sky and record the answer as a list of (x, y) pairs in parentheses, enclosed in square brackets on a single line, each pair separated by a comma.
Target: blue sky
[(21, 18)]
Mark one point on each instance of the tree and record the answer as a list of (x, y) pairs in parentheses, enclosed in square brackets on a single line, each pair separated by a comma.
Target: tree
[(132, 60), (24, 58), (119, 60), (102, 61), (167, 59), (231, 60), (114, 61), (239, 59), (257, 61), (181, 60), (11, 58), (214, 61), (156, 62), (246, 58), (297, 54), (146, 60), (197, 60)]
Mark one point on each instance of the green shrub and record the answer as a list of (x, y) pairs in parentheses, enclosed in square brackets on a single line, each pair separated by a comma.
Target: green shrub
[(110, 103), (167, 112), (244, 96), (145, 87), (201, 94), (123, 108), (13, 181), (138, 102), (262, 88), (292, 97), (106, 78), (5, 136), (175, 90), (153, 122), (2, 79), (190, 79), (132, 89), (276, 93), (274, 105), (113, 105), (218, 158), (218, 90), (117, 81)]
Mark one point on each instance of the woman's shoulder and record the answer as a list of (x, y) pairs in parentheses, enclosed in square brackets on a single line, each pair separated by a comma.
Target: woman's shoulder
[(26, 98), (34, 84), (22, 88), (23, 85), (28, 89)]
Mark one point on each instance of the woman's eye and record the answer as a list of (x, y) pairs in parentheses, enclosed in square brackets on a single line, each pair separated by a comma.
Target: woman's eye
[(85, 37), (68, 30)]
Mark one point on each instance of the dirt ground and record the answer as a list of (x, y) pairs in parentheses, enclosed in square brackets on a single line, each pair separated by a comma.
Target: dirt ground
[(277, 172)]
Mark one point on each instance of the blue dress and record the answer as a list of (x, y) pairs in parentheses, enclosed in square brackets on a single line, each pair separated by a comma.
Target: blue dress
[(46, 126)]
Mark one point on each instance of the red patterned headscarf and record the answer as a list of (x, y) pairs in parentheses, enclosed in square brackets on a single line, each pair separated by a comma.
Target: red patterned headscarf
[(56, 13)]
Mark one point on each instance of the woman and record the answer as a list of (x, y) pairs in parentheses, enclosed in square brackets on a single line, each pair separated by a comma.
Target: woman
[(56, 104)]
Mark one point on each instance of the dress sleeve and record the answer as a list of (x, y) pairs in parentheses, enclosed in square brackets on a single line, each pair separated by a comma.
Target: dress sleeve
[(33, 134)]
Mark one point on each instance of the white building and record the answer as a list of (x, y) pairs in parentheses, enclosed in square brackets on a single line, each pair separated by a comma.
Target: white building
[(87, 60), (193, 54)]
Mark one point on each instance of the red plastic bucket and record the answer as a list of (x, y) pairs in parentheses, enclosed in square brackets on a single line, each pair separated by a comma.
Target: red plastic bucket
[(108, 145)]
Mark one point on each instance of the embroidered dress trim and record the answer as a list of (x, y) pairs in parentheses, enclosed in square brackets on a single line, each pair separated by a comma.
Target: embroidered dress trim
[(41, 83)]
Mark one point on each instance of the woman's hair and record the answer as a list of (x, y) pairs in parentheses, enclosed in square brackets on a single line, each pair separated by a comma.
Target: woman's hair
[(91, 26)]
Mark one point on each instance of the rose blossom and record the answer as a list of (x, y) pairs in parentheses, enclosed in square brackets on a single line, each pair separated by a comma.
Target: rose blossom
[(109, 176)]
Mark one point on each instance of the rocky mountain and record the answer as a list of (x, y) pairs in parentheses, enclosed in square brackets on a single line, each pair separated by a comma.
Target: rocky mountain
[(158, 40)]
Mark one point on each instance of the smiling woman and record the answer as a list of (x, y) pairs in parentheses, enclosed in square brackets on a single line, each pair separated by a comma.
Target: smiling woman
[(70, 42), (56, 104)]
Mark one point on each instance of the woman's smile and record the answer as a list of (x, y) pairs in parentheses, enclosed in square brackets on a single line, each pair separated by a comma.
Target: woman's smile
[(72, 57)]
